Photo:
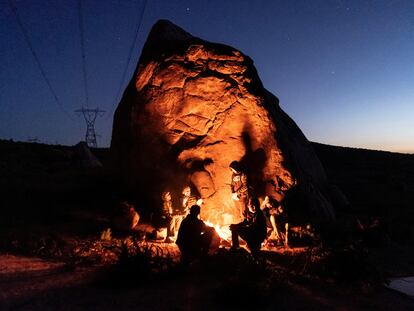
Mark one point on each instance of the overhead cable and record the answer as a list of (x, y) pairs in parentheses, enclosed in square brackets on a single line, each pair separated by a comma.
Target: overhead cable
[(131, 49), (82, 39), (36, 58)]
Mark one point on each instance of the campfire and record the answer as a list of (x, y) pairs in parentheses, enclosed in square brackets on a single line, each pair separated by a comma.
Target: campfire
[(223, 231), (220, 221)]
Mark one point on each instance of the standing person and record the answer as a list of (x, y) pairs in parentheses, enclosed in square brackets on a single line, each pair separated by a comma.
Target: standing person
[(239, 188), (167, 215), (194, 236), (252, 229)]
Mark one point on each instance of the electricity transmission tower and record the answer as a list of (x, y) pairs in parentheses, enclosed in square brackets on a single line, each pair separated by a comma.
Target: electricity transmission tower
[(90, 116)]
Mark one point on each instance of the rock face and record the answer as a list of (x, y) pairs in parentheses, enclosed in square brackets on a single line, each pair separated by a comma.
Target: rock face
[(191, 108)]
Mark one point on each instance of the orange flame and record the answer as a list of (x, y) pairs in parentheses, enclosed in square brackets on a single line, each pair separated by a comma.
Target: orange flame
[(223, 231)]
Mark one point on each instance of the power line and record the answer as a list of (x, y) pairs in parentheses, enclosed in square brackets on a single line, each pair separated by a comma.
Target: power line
[(36, 58), (82, 39), (131, 49)]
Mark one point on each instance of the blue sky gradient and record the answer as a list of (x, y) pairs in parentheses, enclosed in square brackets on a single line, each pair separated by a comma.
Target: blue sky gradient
[(343, 70)]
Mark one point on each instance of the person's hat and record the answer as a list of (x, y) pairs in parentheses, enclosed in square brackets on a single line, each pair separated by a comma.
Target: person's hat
[(235, 165)]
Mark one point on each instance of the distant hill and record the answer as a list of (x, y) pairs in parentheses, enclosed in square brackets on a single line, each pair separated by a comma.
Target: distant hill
[(377, 183), (41, 183)]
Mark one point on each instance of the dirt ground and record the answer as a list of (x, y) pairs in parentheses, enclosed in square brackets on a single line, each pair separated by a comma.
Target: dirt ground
[(28, 283)]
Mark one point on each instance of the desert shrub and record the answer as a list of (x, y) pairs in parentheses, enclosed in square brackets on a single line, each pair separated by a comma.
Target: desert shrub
[(138, 263), (351, 264), (34, 244), (245, 282)]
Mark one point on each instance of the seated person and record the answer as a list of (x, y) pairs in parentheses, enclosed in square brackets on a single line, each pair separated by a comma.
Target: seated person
[(127, 218), (277, 217), (194, 236), (188, 199), (252, 229)]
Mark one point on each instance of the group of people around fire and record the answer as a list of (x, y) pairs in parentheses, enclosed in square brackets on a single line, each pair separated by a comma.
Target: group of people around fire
[(257, 217), (194, 237), (171, 217)]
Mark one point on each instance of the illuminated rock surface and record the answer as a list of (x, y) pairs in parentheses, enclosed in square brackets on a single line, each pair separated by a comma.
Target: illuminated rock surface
[(191, 108)]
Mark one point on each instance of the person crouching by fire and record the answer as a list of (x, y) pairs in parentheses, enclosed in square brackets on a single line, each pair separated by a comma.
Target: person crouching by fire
[(252, 229), (188, 199), (239, 188), (194, 236), (126, 218)]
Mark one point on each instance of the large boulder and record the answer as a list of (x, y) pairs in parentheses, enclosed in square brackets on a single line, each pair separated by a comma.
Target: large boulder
[(193, 107)]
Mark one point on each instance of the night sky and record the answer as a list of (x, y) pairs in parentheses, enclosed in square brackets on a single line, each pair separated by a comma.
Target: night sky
[(343, 70)]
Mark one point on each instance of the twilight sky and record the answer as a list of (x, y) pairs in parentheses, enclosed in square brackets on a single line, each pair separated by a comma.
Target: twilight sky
[(343, 70)]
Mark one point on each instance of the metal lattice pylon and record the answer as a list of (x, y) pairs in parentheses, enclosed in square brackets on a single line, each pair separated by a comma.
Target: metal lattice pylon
[(90, 116)]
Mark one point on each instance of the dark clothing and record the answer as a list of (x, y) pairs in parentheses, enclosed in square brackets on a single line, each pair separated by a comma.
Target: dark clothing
[(252, 230), (281, 220), (194, 237)]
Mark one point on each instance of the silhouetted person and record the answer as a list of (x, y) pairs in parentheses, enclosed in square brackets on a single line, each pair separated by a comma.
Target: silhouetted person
[(239, 188), (252, 229), (194, 236)]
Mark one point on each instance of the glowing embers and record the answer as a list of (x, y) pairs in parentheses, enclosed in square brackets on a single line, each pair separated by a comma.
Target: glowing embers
[(223, 231), (219, 220)]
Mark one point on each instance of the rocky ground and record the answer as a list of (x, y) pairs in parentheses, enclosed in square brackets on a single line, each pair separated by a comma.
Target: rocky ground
[(52, 256)]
